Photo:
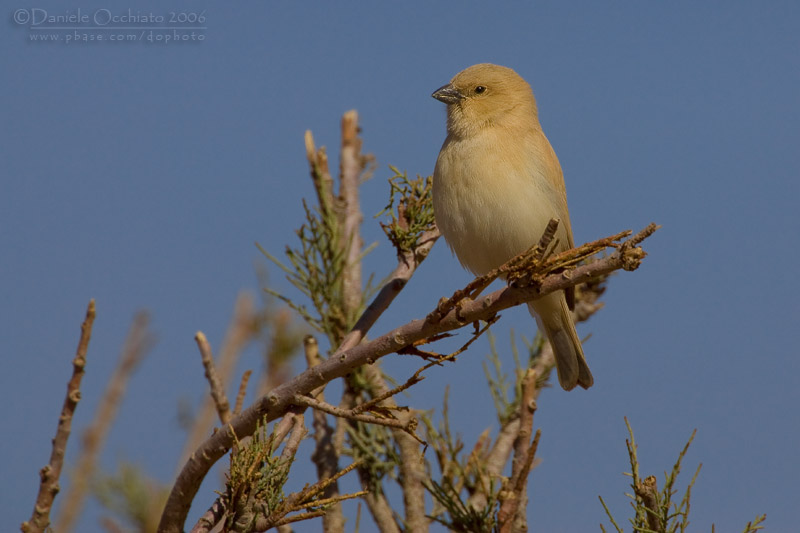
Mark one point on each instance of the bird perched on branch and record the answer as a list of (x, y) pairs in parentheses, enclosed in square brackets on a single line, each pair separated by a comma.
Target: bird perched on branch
[(496, 185)]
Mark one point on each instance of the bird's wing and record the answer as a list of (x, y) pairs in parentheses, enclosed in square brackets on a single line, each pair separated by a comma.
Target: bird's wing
[(555, 178)]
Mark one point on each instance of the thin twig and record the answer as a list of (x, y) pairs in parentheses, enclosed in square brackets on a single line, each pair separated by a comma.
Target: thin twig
[(210, 518), (320, 174), (239, 332), (527, 407), (296, 518), (317, 488), (217, 392), (50, 473), (382, 513), (286, 424), (407, 426), (523, 476), (298, 432), (306, 498), (242, 392), (417, 376), (495, 461)]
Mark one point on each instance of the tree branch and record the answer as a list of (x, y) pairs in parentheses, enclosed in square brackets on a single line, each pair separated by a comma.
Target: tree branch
[(242, 392), (510, 506), (522, 455), (627, 256), (351, 164), (305, 401), (239, 332), (407, 263), (647, 490), (217, 391), (49, 474), (320, 173), (495, 461)]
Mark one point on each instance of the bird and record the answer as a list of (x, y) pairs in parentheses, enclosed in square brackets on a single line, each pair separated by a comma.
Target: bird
[(496, 185)]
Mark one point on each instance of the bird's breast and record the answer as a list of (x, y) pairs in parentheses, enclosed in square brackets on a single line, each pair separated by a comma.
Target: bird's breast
[(492, 200)]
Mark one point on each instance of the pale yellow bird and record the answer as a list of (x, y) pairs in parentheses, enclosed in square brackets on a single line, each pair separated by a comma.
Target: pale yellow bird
[(496, 185)]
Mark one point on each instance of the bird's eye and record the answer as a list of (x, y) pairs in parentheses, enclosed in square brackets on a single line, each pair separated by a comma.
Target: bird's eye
[(479, 89)]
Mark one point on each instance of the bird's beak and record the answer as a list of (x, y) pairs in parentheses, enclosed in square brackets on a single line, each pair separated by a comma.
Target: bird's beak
[(448, 94)]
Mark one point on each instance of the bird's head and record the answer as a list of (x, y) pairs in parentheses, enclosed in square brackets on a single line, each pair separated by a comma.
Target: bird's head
[(486, 95)]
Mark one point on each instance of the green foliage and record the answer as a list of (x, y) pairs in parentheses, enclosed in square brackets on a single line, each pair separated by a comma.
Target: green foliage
[(316, 266), (463, 517), (316, 271), (411, 214), (460, 473), (255, 481), (753, 526), (498, 381), (655, 511), (375, 448)]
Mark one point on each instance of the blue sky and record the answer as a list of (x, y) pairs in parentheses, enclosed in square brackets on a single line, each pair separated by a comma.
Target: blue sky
[(141, 174)]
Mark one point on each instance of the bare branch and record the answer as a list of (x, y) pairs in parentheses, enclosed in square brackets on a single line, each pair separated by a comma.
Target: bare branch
[(407, 263), (345, 360), (321, 512), (287, 423), (510, 505), (240, 331), (137, 344), (351, 164), (217, 392), (50, 473), (495, 461), (242, 392), (320, 174), (305, 401), (527, 407), (647, 490), (309, 493), (210, 518), (295, 436), (381, 511)]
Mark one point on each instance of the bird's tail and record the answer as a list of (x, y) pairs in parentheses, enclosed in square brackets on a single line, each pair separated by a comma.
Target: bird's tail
[(555, 321)]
